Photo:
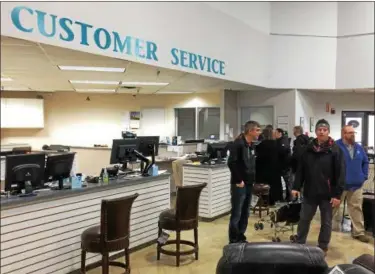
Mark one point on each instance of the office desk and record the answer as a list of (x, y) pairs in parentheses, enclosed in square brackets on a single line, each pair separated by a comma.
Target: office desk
[(215, 198), (41, 234)]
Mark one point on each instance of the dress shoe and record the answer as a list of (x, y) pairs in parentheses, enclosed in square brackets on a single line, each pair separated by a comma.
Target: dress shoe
[(362, 238)]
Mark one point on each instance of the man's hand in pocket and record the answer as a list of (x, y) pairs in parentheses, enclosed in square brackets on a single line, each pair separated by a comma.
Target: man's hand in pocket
[(242, 184)]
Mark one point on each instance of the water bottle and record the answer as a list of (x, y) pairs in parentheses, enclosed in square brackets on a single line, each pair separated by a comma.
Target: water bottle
[(105, 177)]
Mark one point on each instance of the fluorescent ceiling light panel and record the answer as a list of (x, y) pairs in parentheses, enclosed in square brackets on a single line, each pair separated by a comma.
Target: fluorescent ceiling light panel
[(95, 90), (6, 79), (81, 68), (144, 84), (94, 82), (174, 92)]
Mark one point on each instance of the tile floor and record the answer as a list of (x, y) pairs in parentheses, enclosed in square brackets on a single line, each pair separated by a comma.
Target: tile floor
[(212, 238)]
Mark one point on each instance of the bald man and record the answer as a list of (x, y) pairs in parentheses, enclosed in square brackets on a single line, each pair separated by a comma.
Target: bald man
[(356, 174)]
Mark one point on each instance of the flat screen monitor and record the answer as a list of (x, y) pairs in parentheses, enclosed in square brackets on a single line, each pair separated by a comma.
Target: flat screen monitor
[(147, 144), (59, 167), (122, 151), (24, 171), (217, 150)]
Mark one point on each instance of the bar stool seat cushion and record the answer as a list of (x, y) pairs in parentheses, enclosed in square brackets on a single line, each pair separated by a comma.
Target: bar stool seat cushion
[(168, 221), (90, 239), (261, 189)]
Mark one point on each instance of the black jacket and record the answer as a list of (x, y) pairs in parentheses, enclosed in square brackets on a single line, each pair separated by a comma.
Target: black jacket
[(321, 171), (241, 161), (268, 168), (299, 145), (284, 152)]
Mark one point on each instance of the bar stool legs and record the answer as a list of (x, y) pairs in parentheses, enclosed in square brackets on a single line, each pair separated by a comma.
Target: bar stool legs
[(105, 264), (178, 242), (158, 247), (83, 261), (196, 242)]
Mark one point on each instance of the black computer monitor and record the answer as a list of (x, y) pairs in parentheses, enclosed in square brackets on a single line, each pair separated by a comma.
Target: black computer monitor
[(122, 151), (24, 171), (59, 167), (149, 145), (217, 150), (126, 151)]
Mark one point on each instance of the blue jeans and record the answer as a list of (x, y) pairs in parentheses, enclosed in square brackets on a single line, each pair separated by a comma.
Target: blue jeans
[(240, 199)]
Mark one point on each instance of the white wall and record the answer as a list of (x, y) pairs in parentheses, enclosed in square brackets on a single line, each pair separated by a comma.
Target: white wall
[(304, 18), (355, 62), (194, 27), (355, 18), (282, 101), (236, 33), (303, 62), (305, 52), (313, 104), (254, 14)]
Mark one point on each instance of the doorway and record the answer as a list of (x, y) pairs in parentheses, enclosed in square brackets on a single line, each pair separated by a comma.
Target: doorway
[(363, 123)]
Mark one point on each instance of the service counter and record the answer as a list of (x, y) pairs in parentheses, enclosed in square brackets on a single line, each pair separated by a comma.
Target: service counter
[(41, 234), (215, 198)]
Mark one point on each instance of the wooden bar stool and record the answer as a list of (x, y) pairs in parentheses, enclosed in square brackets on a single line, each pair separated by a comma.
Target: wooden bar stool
[(111, 235), (262, 191), (184, 217)]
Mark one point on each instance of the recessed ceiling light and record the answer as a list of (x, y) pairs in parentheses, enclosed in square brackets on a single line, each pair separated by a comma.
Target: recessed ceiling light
[(94, 82), (6, 79), (144, 83), (81, 68), (174, 92), (96, 90)]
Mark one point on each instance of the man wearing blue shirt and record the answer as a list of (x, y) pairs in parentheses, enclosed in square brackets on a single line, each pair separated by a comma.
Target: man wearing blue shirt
[(356, 174)]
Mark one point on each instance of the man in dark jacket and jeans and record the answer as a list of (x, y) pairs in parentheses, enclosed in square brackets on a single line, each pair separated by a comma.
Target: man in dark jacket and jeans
[(241, 163), (321, 172)]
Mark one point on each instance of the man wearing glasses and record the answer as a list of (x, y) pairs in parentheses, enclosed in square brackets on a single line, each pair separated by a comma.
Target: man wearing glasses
[(356, 174)]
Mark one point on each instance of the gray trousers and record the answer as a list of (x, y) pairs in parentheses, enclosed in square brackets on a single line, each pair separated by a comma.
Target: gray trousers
[(307, 214)]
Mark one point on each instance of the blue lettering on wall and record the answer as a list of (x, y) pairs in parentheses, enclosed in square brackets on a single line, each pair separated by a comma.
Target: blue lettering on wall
[(50, 26), (196, 61)]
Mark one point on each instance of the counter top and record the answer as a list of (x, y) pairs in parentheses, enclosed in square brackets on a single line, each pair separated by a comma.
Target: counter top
[(48, 195), (87, 147), (206, 166), (109, 148)]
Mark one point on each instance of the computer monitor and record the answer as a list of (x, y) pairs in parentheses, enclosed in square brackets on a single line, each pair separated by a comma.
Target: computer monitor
[(217, 150), (126, 151), (59, 167), (149, 145), (122, 151), (24, 171)]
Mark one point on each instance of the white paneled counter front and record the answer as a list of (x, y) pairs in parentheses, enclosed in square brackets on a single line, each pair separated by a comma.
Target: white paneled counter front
[(42, 234), (215, 198)]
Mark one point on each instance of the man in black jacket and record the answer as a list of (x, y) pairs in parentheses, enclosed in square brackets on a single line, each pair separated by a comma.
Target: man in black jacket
[(284, 157), (299, 145), (241, 163), (321, 172)]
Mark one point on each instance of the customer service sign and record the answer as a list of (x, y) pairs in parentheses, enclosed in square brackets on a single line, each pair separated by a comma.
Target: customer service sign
[(40, 22)]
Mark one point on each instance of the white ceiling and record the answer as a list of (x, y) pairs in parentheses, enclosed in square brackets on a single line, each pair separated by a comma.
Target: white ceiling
[(33, 66)]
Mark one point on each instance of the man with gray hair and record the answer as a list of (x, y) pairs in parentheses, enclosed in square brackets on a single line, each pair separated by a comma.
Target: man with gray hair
[(357, 165), (241, 163)]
